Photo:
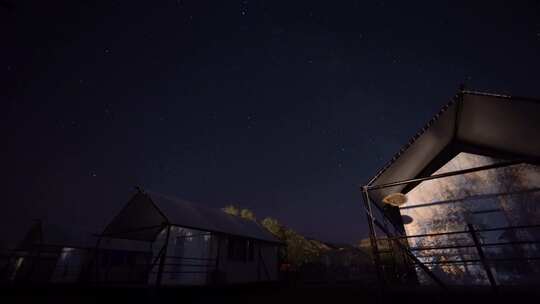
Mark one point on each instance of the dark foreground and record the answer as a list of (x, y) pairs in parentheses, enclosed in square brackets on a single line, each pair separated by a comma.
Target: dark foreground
[(268, 293)]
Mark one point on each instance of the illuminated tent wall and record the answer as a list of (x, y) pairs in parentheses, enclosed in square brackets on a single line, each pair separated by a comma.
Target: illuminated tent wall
[(501, 197), (196, 245), (473, 130)]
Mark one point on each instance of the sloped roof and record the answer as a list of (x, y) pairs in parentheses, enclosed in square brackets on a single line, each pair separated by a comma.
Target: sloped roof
[(50, 234), (477, 122), (145, 214)]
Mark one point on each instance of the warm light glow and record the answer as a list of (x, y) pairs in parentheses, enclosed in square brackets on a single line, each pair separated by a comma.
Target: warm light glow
[(395, 199)]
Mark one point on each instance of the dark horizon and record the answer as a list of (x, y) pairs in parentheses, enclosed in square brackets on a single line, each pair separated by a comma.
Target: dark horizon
[(283, 108)]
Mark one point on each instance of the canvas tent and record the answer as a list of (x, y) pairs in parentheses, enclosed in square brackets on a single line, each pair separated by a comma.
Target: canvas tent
[(48, 253), (477, 142), (194, 244)]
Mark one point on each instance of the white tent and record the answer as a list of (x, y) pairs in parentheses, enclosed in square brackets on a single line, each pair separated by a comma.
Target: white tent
[(194, 244)]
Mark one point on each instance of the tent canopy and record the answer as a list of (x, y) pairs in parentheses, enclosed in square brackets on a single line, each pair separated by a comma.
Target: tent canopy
[(147, 213), (495, 125), (42, 233)]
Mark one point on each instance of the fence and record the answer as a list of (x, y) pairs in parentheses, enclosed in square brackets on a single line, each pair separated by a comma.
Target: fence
[(48, 264), (398, 261)]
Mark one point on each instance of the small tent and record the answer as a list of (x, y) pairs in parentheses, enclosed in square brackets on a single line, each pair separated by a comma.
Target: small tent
[(48, 254)]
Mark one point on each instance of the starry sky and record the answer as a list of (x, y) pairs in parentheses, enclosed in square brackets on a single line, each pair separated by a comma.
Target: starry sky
[(283, 107)]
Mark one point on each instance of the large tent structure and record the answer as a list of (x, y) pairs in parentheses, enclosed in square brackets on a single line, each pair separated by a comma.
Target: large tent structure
[(196, 245), (477, 142)]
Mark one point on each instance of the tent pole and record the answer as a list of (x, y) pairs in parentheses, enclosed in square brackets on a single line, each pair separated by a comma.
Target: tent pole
[(411, 255), (163, 257), (216, 270), (373, 237), (96, 260), (446, 174), (482, 257), (264, 265), (259, 264), (35, 254), (153, 262)]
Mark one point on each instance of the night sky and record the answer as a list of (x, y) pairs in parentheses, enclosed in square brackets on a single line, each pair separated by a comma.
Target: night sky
[(283, 107)]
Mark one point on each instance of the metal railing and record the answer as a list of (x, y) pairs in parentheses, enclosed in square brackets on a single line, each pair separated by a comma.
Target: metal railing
[(393, 250)]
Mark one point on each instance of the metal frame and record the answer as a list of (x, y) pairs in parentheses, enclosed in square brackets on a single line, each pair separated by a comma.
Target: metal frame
[(374, 222), (213, 264)]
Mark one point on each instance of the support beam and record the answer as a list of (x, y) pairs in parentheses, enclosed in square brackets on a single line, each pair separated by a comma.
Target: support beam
[(482, 257), (373, 238), (163, 257), (446, 174), (412, 256), (96, 260), (151, 266)]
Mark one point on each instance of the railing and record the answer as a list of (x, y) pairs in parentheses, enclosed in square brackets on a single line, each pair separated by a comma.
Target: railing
[(397, 245), (208, 265), (478, 256)]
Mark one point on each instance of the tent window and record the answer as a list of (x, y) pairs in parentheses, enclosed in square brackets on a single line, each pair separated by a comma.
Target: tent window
[(238, 249)]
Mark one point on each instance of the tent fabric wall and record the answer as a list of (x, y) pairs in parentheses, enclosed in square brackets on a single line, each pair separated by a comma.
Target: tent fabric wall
[(501, 197), (140, 219)]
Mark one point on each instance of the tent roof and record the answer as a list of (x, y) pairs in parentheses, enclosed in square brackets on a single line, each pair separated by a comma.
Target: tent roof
[(145, 215), (48, 234), (477, 122)]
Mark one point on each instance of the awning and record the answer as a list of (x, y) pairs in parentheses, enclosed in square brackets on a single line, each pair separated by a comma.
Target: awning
[(502, 126)]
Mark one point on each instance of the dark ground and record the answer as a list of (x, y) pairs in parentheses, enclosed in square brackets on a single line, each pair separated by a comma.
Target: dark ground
[(270, 293)]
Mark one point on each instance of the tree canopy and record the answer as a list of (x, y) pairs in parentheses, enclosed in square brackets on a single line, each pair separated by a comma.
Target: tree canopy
[(298, 249)]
